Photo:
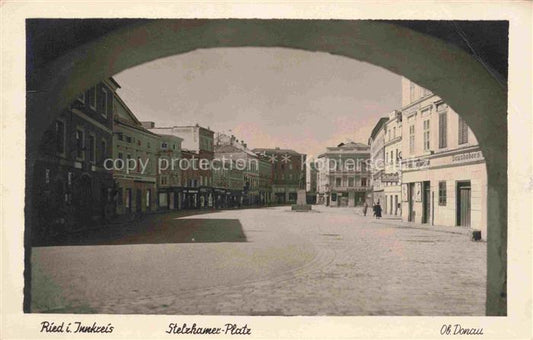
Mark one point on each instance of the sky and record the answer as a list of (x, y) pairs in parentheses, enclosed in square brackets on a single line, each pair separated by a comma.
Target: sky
[(268, 97)]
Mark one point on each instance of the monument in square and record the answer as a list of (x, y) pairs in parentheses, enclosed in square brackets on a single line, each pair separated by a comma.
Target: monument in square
[(301, 199)]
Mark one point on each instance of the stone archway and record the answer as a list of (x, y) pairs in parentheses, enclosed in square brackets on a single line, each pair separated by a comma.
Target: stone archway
[(464, 83)]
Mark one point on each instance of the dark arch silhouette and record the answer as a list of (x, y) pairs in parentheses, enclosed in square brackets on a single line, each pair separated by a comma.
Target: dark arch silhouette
[(475, 89)]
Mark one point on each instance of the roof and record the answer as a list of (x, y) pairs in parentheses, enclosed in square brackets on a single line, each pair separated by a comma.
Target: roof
[(276, 151), (232, 149), (378, 127), (169, 136)]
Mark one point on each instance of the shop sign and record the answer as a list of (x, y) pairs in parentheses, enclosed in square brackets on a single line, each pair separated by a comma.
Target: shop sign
[(467, 156), (415, 163), (390, 177)]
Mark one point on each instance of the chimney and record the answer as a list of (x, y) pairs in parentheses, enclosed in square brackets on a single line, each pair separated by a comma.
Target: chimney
[(148, 125)]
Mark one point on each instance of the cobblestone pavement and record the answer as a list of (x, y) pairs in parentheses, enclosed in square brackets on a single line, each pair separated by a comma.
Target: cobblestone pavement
[(331, 261)]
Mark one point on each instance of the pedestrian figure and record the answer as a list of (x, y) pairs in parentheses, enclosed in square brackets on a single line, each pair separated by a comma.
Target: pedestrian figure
[(365, 208), (378, 211)]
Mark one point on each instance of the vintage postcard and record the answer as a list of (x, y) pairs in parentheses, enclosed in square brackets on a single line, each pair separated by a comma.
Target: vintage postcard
[(266, 170)]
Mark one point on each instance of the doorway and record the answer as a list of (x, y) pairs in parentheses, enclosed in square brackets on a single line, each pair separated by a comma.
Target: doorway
[(463, 203), (411, 199), (426, 202)]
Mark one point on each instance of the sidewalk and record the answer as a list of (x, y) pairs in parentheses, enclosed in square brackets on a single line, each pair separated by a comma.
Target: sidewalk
[(426, 226), (397, 221)]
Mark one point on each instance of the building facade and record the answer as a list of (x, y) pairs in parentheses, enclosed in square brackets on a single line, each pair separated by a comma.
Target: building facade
[(71, 187), (391, 178), (135, 151), (444, 180), (228, 182), (288, 173), (377, 157), (344, 175), (198, 149), (169, 188)]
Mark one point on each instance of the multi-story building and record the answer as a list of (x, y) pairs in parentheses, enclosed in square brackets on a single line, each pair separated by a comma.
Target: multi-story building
[(444, 179), (246, 161), (228, 182), (264, 185), (71, 187), (344, 175), (136, 149), (288, 173), (377, 157), (169, 187), (198, 144), (391, 177)]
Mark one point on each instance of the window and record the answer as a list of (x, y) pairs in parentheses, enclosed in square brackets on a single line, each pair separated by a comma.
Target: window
[(103, 151), (394, 132), (163, 180), (363, 182), (69, 178), (442, 193), (81, 98), (338, 182), (92, 149), (92, 96), (463, 131), (350, 182), (426, 135), (443, 130), (164, 146), (120, 155), (120, 136), (47, 176), (411, 139), (412, 91), (441, 107), (105, 103), (60, 136), (148, 197), (128, 139), (79, 144), (128, 198)]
